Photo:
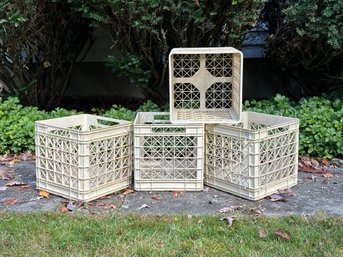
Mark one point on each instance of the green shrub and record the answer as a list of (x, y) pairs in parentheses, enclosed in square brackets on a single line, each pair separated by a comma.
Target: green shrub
[(145, 31), (321, 121), (17, 124)]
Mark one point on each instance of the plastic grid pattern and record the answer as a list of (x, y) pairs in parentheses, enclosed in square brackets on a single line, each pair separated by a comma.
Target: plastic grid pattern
[(255, 158), (83, 156), (167, 156), (205, 85)]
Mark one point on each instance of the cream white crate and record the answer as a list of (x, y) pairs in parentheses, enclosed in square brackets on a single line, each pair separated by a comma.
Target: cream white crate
[(83, 156), (205, 85), (254, 158), (167, 156)]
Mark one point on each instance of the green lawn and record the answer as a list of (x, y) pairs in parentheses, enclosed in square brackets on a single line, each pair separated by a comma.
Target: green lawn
[(49, 234)]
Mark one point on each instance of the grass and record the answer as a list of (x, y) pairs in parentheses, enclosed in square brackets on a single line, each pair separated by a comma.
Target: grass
[(53, 234)]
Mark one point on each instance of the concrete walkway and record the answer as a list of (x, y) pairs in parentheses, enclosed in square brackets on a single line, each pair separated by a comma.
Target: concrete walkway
[(313, 194)]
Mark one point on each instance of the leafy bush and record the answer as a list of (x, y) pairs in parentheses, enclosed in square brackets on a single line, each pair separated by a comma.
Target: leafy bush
[(40, 41), (17, 124), (321, 121), (145, 31), (306, 44)]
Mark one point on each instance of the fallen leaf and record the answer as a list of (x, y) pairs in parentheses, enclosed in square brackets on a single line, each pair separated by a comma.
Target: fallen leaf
[(231, 208), (128, 191), (155, 197), (78, 203), (110, 206), (15, 183), (241, 241), (327, 175), (199, 221), (277, 197), (64, 209), (143, 206), (287, 191), (106, 197), (225, 209), (205, 190), (71, 206), (228, 219), (99, 204), (262, 234), (3, 188), (14, 161), (326, 162), (43, 193), (9, 201), (282, 235), (174, 194)]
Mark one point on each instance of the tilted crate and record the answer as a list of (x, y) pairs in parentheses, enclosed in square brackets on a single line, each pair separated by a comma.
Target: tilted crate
[(255, 158), (205, 85), (167, 156), (83, 156)]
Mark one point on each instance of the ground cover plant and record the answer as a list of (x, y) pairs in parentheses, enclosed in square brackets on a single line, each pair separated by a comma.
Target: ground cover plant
[(47, 234), (321, 121)]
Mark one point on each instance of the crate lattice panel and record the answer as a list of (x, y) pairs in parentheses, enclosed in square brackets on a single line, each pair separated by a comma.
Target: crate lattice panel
[(205, 85), (78, 158), (167, 156), (254, 158)]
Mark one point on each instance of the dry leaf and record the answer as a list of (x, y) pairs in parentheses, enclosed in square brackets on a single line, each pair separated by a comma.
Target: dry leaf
[(241, 241), (155, 197), (64, 209), (277, 197), (160, 244), (327, 175), (43, 193), (15, 183), (14, 161), (199, 221), (228, 219), (282, 235), (231, 208), (261, 233), (326, 162), (99, 204), (9, 201), (110, 206), (106, 197), (128, 191), (143, 206)]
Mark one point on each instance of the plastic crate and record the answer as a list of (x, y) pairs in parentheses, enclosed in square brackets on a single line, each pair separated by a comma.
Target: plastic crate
[(167, 156), (205, 85), (83, 156), (255, 158)]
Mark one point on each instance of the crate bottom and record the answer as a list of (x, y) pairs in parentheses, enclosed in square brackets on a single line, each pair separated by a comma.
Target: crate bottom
[(87, 195), (248, 193), (208, 116), (140, 185)]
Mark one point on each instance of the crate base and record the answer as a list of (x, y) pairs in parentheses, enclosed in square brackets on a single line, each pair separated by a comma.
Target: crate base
[(199, 115), (248, 193), (87, 196), (166, 185)]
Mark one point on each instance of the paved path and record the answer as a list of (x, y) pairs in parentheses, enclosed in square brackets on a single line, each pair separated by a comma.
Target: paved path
[(313, 194)]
